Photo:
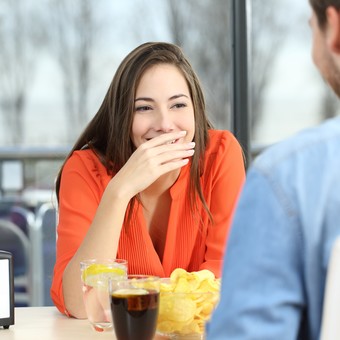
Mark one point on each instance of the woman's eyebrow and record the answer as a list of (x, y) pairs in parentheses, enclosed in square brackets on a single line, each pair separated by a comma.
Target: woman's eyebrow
[(147, 99), (178, 96)]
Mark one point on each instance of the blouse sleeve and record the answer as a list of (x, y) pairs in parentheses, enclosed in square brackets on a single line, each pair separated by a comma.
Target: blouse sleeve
[(79, 198), (227, 178)]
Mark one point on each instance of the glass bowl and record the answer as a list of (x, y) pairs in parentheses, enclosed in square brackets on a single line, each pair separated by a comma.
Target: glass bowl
[(182, 315)]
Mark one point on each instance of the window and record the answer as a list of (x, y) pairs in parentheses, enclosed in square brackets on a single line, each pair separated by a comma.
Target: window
[(288, 92)]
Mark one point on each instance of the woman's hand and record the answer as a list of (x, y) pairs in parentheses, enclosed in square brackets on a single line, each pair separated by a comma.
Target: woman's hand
[(153, 159)]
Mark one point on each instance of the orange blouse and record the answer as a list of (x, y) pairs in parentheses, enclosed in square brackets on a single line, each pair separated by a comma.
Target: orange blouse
[(192, 242)]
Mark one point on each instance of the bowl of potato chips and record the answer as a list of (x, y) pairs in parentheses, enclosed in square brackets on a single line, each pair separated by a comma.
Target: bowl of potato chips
[(187, 301)]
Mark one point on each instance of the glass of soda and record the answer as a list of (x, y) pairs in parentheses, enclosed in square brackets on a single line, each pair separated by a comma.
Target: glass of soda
[(134, 306), (95, 276)]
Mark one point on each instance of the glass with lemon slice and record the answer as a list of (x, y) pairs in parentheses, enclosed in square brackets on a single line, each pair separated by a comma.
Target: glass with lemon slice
[(95, 276)]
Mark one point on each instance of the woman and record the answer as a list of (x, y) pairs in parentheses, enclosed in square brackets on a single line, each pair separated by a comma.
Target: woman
[(148, 180)]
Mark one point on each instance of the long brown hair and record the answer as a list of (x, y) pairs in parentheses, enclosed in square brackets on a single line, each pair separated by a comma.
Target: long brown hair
[(109, 132)]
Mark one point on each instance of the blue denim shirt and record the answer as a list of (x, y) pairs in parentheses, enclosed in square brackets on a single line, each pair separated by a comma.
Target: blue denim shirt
[(287, 219)]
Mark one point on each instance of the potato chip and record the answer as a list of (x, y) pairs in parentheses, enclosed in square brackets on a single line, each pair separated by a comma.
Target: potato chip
[(177, 308), (209, 286), (187, 301), (167, 287), (178, 273), (204, 274)]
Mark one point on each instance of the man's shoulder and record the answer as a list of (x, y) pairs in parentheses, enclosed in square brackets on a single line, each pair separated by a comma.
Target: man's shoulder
[(311, 143)]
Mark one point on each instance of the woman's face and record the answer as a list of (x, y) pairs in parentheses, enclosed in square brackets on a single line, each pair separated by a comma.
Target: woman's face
[(162, 104)]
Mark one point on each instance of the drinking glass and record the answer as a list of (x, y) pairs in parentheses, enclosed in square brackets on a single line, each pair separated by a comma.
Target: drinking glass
[(134, 306), (95, 276)]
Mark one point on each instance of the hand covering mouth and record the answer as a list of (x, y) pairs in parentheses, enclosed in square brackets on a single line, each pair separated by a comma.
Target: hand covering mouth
[(169, 142)]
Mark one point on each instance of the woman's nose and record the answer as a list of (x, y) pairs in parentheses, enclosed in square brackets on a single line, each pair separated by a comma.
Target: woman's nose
[(164, 121)]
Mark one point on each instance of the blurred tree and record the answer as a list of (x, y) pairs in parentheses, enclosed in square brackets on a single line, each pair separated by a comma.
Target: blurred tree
[(72, 37), (20, 34), (203, 29), (269, 28)]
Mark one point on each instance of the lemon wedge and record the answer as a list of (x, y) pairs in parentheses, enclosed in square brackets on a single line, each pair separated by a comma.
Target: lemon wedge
[(130, 291), (95, 273)]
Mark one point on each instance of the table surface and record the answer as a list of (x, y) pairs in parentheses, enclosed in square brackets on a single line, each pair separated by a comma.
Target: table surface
[(35, 323)]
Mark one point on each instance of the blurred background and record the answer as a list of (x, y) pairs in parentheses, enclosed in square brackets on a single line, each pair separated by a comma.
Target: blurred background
[(57, 59)]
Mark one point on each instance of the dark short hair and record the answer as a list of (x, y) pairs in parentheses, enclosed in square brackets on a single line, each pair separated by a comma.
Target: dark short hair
[(320, 6)]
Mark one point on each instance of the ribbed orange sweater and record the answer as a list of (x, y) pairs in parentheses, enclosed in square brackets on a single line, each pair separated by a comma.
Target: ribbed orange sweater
[(189, 244)]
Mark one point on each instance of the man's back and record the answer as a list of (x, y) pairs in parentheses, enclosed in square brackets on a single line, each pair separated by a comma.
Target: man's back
[(278, 250), (287, 220)]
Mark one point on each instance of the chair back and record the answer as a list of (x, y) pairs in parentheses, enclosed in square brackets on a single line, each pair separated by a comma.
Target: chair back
[(330, 328), (45, 255), (22, 217)]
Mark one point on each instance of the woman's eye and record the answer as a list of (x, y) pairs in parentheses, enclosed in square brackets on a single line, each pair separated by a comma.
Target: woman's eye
[(179, 105), (142, 108)]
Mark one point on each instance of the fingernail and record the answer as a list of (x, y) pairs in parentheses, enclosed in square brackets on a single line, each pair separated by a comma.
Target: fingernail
[(183, 133), (191, 144)]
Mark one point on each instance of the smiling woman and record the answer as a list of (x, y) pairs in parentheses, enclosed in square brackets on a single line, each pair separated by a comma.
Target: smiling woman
[(149, 180), (166, 108)]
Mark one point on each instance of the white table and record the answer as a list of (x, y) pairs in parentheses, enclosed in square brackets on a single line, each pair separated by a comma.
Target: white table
[(35, 323), (47, 323)]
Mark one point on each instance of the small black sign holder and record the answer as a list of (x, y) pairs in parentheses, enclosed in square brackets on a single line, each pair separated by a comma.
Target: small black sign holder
[(7, 321)]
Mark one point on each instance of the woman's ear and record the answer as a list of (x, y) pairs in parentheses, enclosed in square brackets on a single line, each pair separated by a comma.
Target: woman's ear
[(333, 29)]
